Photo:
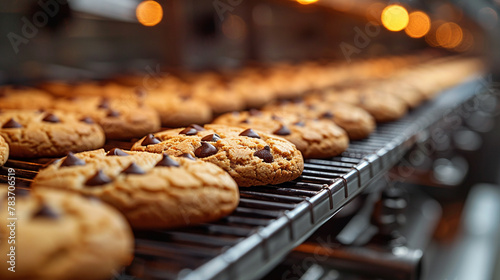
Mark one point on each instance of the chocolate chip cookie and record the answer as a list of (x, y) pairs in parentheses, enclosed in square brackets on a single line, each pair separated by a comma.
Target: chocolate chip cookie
[(120, 118), (20, 97), (250, 157), (313, 138), (151, 190), (4, 151), (357, 122), (60, 235), (218, 96), (48, 134), (382, 105)]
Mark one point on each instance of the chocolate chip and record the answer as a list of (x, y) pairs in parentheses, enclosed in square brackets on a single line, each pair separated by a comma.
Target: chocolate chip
[(250, 133), (211, 138), (276, 118), (72, 160), (113, 114), (188, 156), (39, 111), (117, 152), (197, 127), (104, 104), (98, 179), (150, 140), (140, 92), (298, 100), (311, 107), (245, 121), (87, 120), (167, 161), (51, 118), (265, 154), (254, 112), (283, 130), (327, 115), (133, 169), (46, 212), (299, 123), (189, 131), (12, 124), (205, 150), (20, 192)]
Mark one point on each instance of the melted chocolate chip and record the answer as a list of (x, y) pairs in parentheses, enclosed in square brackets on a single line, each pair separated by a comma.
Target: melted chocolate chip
[(87, 120), (205, 150), (113, 114), (167, 161), (188, 156), (211, 138), (12, 124), (117, 152), (104, 104), (299, 123), (283, 130), (133, 169), (72, 160), (327, 115), (189, 131), (254, 112), (197, 127), (98, 179), (265, 154), (250, 133), (51, 118), (150, 140), (46, 212)]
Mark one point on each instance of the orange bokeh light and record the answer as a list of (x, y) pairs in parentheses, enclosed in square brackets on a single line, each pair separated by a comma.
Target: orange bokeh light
[(419, 24), (306, 2), (395, 17), (449, 35), (149, 13)]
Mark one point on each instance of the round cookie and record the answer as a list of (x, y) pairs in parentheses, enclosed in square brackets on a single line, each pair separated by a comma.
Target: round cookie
[(176, 110), (250, 157), (383, 106), (20, 97), (151, 190), (120, 118), (358, 123), (314, 138), (60, 235), (47, 134), (218, 96), (253, 91), (4, 151), (410, 95)]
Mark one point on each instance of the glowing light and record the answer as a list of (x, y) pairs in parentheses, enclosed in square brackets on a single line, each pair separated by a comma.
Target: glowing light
[(149, 13), (419, 24), (306, 2), (430, 38), (395, 18), (449, 35)]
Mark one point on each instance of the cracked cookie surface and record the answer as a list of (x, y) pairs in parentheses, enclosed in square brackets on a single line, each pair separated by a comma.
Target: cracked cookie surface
[(250, 158), (20, 97), (151, 190), (314, 138), (47, 134), (4, 151), (60, 235)]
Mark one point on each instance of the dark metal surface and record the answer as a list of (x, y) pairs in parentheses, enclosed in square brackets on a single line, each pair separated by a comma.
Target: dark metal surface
[(271, 220)]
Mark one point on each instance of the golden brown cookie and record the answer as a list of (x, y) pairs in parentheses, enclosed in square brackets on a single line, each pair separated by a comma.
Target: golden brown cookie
[(151, 190), (313, 138), (250, 157), (20, 97), (4, 151), (218, 96), (253, 91), (59, 235), (383, 106), (120, 118), (48, 134), (358, 123)]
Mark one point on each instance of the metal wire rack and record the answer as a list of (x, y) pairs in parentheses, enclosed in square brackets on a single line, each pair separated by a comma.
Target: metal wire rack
[(271, 220)]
